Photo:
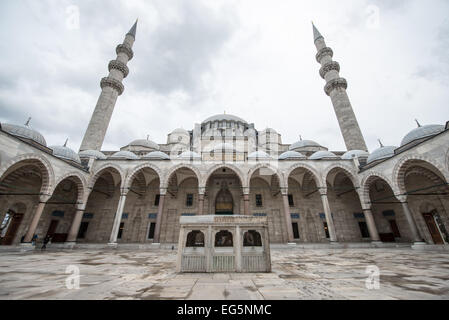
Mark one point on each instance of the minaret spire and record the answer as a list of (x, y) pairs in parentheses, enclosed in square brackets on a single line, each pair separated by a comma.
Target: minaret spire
[(111, 88), (336, 89)]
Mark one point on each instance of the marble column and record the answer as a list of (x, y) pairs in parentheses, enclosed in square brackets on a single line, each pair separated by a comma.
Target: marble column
[(157, 231), (327, 212), (288, 218), (371, 225), (35, 221), (417, 238), (118, 218), (75, 227), (246, 204)]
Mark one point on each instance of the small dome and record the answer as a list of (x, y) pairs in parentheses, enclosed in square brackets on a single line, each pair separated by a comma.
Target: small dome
[(181, 131), (355, 153), (292, 155), (156, 155), (124, 155), (189, 155), (323, 155), (24, 131), (303, 144), (224, 117), (92, 154), (144, 143), (259, 155), (65, 153), (422, 132), (381, 153)]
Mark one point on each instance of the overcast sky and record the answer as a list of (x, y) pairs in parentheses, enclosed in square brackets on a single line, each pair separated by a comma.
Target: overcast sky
[(251, 58)]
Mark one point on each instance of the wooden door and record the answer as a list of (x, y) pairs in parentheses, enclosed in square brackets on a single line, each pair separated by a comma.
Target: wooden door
[(16, 219), (433, 229)]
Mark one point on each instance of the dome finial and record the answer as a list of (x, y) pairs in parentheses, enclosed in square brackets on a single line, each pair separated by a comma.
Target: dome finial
[(300, 137), (65, 144), (148, 137), (28, 122), (417, 122), (380, 142)]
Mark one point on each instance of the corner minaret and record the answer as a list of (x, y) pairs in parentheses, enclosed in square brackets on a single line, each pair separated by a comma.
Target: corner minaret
[(336, 89), (111, 88)]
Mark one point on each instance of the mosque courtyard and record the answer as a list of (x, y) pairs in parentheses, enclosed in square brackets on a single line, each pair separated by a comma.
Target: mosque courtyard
[(296, 274)]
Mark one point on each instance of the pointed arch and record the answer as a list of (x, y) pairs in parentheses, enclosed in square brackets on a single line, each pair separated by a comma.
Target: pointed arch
[(213, 169), (167, 176), (129, 179), (80, 183), (307, 168), (275, 171)]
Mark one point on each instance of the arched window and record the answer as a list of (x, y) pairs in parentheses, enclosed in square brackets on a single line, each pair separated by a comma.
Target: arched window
[(252, 238), (195, 239), (224, 239)]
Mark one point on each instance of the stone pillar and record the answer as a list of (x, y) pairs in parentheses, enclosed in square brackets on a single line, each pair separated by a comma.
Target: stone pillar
[(118, 218), (288, 218), (246, 204), (201, 192), (35, 221), (329, 219), (238, 249), (417, 238), (157, 230), (371, 225), (74, 228)]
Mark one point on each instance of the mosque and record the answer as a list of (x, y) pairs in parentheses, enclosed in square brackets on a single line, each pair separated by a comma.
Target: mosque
[(224, 166)]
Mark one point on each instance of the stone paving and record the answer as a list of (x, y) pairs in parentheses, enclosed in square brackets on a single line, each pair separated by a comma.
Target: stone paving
[(297, 274)]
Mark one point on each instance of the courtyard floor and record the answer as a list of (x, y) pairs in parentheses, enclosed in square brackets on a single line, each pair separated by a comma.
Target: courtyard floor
[(297, 274)]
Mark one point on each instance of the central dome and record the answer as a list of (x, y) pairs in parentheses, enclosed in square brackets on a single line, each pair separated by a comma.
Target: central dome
[(224, 117)]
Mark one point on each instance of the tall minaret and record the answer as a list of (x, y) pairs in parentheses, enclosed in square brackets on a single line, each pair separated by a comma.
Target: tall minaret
[(336, 89), (111, 88)]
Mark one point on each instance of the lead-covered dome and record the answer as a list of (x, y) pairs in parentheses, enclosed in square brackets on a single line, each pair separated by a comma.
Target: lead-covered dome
[(24, 131), (92, 154), (292, 155), (259, 155), (320, 155), (189, 155), (156, 155), (127, 155), (381, 153), (146, 143), (224, 117), (65, 153), (422, 132), (355, 153), (304, 144)]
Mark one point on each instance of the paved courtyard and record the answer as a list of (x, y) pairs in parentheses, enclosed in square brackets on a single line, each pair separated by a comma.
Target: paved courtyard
[(297, 274)]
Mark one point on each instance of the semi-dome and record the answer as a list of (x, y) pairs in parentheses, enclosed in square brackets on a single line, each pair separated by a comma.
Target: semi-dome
[(65, 153), (224, 117), (124, 155), (355, 153), (92, 154), (323, 155), (146, 143), (24, 131), (381, 153), (259, 155), (189, 155), (156, 155), (304, 144), (422, 132), (291, 155)]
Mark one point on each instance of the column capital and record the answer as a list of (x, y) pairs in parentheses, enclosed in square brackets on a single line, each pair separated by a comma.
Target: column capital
[(323, 191), (284, 191), (202, 191), (43, 198), (245, 190), (163, 191), (402, 198)]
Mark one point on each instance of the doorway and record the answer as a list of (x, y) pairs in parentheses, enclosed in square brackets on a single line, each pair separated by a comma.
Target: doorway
[(433, 228), (12, 227)]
